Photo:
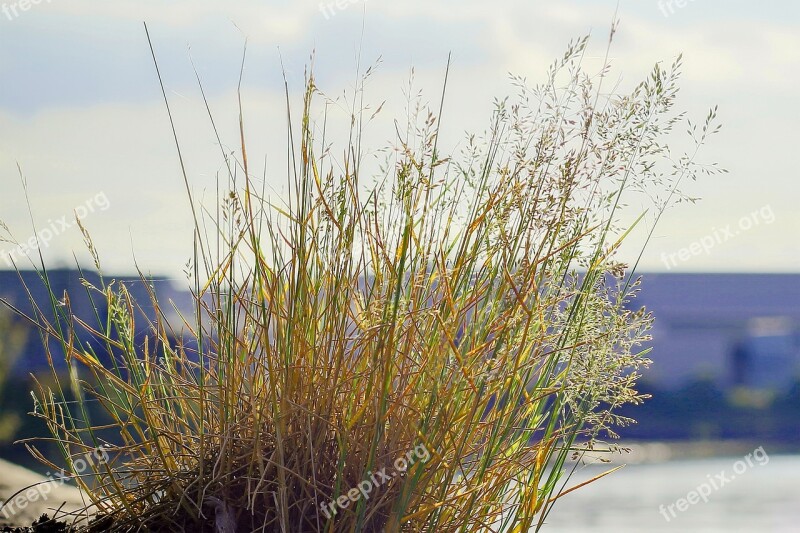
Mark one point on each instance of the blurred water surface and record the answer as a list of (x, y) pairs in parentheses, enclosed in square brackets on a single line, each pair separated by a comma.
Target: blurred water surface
[(763, 498)]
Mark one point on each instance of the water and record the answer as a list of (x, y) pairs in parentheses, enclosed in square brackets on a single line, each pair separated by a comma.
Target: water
[(761, 498)]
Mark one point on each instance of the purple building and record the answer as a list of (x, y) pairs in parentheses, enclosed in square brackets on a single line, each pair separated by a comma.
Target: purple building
[(735, 329)]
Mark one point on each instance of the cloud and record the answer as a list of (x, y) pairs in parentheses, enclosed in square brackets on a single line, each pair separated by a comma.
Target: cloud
[(82, 110)]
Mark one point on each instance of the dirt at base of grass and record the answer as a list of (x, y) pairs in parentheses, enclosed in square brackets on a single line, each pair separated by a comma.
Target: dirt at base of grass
[(43, 524)]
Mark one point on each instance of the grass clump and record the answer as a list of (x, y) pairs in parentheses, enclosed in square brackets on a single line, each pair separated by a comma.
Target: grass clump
[(463, 311)]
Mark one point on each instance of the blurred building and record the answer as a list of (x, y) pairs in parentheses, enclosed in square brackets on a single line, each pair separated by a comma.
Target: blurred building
[(733, 329), (21, 290)]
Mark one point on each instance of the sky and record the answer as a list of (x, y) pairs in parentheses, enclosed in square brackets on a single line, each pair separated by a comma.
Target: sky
[(82, 116)]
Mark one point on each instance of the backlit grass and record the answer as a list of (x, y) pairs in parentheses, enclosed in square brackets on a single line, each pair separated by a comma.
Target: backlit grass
[(471, 303)]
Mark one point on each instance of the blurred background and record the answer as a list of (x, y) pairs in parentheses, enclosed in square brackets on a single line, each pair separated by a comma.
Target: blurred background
[(82, 118)]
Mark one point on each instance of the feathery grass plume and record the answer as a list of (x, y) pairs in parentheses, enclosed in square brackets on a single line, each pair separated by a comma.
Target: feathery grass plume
[(421, 352)]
